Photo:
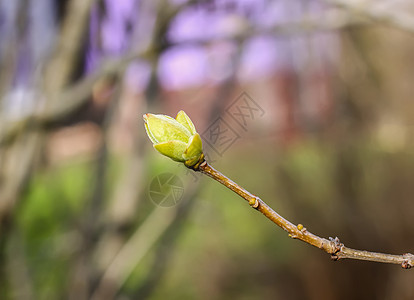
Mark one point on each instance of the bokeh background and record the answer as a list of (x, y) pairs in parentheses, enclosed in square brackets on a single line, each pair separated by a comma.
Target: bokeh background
[(307, 104)]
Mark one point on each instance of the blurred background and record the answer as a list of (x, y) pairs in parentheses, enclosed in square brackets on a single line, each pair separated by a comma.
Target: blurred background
[(307, 104)]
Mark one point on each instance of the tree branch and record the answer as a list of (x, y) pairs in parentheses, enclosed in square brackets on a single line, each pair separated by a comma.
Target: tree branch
[(70, 99), (391, 17), (63, 60), (334, 247)]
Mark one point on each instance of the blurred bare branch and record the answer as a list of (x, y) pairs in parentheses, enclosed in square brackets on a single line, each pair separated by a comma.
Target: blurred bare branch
[(63, 60), (20, 279), (69, 101), (132, 252), (378, 12), (8, 59), (17, 164)]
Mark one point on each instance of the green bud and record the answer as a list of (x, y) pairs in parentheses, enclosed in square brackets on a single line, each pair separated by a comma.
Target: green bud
[(175, 138)]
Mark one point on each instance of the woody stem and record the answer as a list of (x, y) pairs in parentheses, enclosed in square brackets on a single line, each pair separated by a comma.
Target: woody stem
[(334, 247)]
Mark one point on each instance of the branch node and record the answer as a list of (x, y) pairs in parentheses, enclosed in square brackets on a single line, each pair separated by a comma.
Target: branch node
[(408, 261), (336, 248), (335, 257), (254, 202), (301, 228), (337, 244)]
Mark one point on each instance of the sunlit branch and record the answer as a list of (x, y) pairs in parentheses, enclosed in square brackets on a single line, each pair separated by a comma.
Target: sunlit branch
[(334, 247)]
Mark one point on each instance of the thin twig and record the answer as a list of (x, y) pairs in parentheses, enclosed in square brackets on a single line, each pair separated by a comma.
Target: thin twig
[(334, 247)]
